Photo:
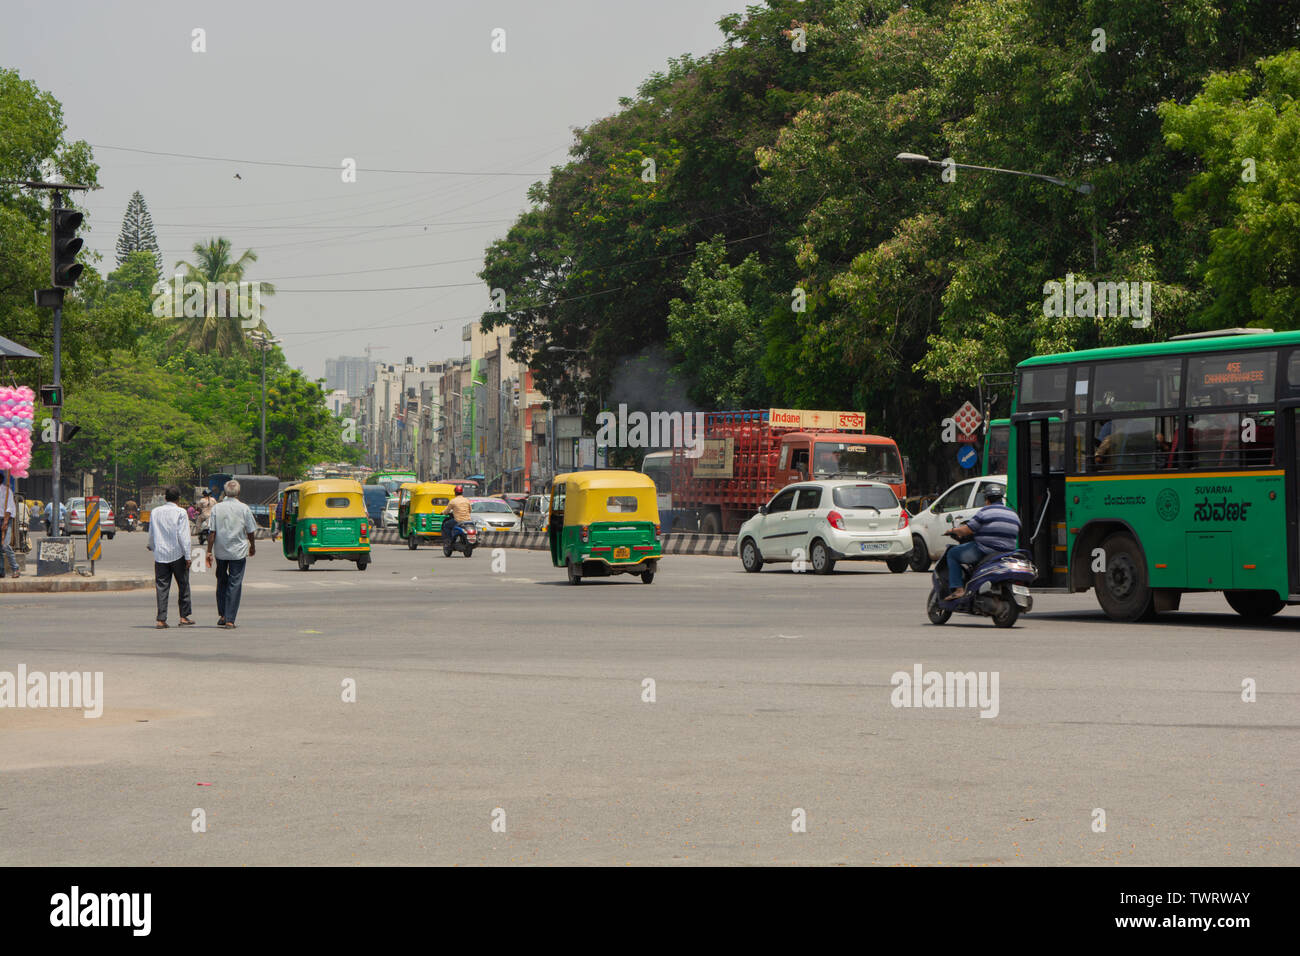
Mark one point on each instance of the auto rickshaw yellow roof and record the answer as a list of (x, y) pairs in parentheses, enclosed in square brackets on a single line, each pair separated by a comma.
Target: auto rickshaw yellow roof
[(327, 486), (608, 478)]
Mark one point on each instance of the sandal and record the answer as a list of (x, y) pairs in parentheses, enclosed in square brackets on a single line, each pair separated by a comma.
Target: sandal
[(221, 622), (229, 625), (186, 622), (159, 625)]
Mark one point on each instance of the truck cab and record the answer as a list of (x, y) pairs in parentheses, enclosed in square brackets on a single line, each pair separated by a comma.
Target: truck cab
[(807, 456)]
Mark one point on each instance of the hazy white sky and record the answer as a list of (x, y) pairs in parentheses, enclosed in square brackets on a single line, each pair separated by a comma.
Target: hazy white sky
[(394, 85)]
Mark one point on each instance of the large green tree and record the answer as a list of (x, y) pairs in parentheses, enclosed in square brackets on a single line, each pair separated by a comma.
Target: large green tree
[(216, 325)]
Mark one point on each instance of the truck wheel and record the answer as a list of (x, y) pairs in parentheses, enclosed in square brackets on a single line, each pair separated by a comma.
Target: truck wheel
[(1122, 589), (820, 555), (1254, 605), (898, 565), (749, 556), (710, 524), (920, 560)]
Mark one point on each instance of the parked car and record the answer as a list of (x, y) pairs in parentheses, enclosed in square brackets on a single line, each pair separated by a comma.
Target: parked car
[(492, 514), (823, 522), (76, 518), (950, 509), (534, 514)]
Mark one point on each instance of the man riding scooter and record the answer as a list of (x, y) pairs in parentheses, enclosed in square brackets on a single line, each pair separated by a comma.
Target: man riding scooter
[(459, 510), (994, 529)]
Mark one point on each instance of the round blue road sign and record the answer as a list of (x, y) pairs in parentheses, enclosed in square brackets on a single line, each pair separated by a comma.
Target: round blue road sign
[(967, 456)]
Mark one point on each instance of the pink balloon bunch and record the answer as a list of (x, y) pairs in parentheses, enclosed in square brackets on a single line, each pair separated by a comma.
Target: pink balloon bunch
[(17, 407)]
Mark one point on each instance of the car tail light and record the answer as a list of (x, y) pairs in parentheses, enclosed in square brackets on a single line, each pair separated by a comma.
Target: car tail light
[(312, 529), (586, 533), (902, 520), (836, 520)]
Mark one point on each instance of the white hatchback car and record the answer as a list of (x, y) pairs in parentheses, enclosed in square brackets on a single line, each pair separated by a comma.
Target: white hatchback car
[(951, 508), (822, 522)]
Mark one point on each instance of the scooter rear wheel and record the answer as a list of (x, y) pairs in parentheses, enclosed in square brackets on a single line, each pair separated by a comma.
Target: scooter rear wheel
[(1007, 611), (937, 613)]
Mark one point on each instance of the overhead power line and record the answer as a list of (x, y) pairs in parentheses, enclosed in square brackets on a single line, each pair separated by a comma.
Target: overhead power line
[(334, 167)]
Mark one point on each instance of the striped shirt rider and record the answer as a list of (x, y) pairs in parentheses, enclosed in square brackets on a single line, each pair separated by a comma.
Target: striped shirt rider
[(996, 527)]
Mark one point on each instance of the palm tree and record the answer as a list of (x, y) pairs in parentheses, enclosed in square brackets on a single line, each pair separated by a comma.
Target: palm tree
[(219, 328)]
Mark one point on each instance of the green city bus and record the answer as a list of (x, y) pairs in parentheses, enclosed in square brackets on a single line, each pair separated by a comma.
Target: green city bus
[(1172, 467), (996, 446)]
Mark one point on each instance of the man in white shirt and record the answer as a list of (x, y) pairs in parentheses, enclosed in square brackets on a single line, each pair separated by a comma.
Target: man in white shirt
[(169, 540), (231, 539), (8, 528)]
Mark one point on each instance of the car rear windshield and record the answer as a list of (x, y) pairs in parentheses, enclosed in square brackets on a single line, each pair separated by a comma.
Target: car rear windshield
[(864, 496)]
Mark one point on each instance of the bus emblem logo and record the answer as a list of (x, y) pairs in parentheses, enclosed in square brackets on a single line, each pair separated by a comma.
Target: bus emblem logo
[(1167, 504)]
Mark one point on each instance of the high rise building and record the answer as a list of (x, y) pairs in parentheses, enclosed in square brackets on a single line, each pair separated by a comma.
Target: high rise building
[(351, 373)]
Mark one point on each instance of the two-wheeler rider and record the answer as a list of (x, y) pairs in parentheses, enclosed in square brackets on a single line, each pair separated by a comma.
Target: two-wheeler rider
[(994, 529), (459, 509)]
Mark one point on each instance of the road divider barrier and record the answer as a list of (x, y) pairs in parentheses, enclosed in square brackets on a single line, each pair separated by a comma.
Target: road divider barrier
[(676, 543)]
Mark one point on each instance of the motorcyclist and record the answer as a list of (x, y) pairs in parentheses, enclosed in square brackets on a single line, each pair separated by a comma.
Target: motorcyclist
[(459, 509), (994, 529)]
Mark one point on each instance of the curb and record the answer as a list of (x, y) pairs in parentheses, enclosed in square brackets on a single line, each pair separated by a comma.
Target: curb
[(71, 582)]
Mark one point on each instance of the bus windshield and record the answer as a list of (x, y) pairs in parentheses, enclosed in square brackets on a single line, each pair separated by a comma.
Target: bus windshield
[(858, 460)]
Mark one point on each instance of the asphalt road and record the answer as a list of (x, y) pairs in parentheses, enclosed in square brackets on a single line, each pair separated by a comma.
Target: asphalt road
[(482, 689)]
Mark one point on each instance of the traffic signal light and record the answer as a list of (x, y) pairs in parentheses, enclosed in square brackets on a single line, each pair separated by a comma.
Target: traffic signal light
[(51, 396), (64, 246)]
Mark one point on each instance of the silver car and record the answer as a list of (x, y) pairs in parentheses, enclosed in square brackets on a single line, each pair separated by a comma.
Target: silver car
[(76, 517), (536, 511), (822, 522), (492, 514)]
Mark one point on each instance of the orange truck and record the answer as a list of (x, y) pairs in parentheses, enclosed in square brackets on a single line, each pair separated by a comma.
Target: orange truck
[(748, 456)]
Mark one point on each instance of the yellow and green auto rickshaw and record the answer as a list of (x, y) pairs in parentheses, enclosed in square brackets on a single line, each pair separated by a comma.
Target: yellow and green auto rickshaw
[(603, 523), (324, 520), (419, 510)]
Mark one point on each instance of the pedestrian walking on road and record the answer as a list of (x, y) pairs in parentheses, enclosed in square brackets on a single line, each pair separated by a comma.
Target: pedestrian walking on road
[(231, 539), (169, 540), (8, 529), (205, 514)]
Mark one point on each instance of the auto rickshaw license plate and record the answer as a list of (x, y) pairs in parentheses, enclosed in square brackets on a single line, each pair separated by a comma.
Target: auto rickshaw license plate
[(620, 553)]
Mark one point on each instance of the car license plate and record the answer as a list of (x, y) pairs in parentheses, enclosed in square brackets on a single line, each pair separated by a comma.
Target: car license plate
[(620, 553), (1019, 589), (874, 546)]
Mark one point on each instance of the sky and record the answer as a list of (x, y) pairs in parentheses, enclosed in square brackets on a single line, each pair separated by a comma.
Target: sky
[(285, 92)]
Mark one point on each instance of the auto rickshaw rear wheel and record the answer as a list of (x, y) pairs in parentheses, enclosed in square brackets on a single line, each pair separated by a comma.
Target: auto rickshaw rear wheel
[(412, 542), (362, 564), (304, 562), (575, 571), (647, 577)]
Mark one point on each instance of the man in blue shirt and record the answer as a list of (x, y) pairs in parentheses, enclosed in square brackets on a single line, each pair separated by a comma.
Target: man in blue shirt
[(994, 529)]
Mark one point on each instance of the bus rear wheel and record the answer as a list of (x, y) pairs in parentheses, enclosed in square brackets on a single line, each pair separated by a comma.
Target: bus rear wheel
[(1122, 589), (1254, 605)]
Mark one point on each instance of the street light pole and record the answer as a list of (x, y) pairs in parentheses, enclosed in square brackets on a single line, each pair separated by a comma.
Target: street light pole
[(1083, 188), (264, 344)]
